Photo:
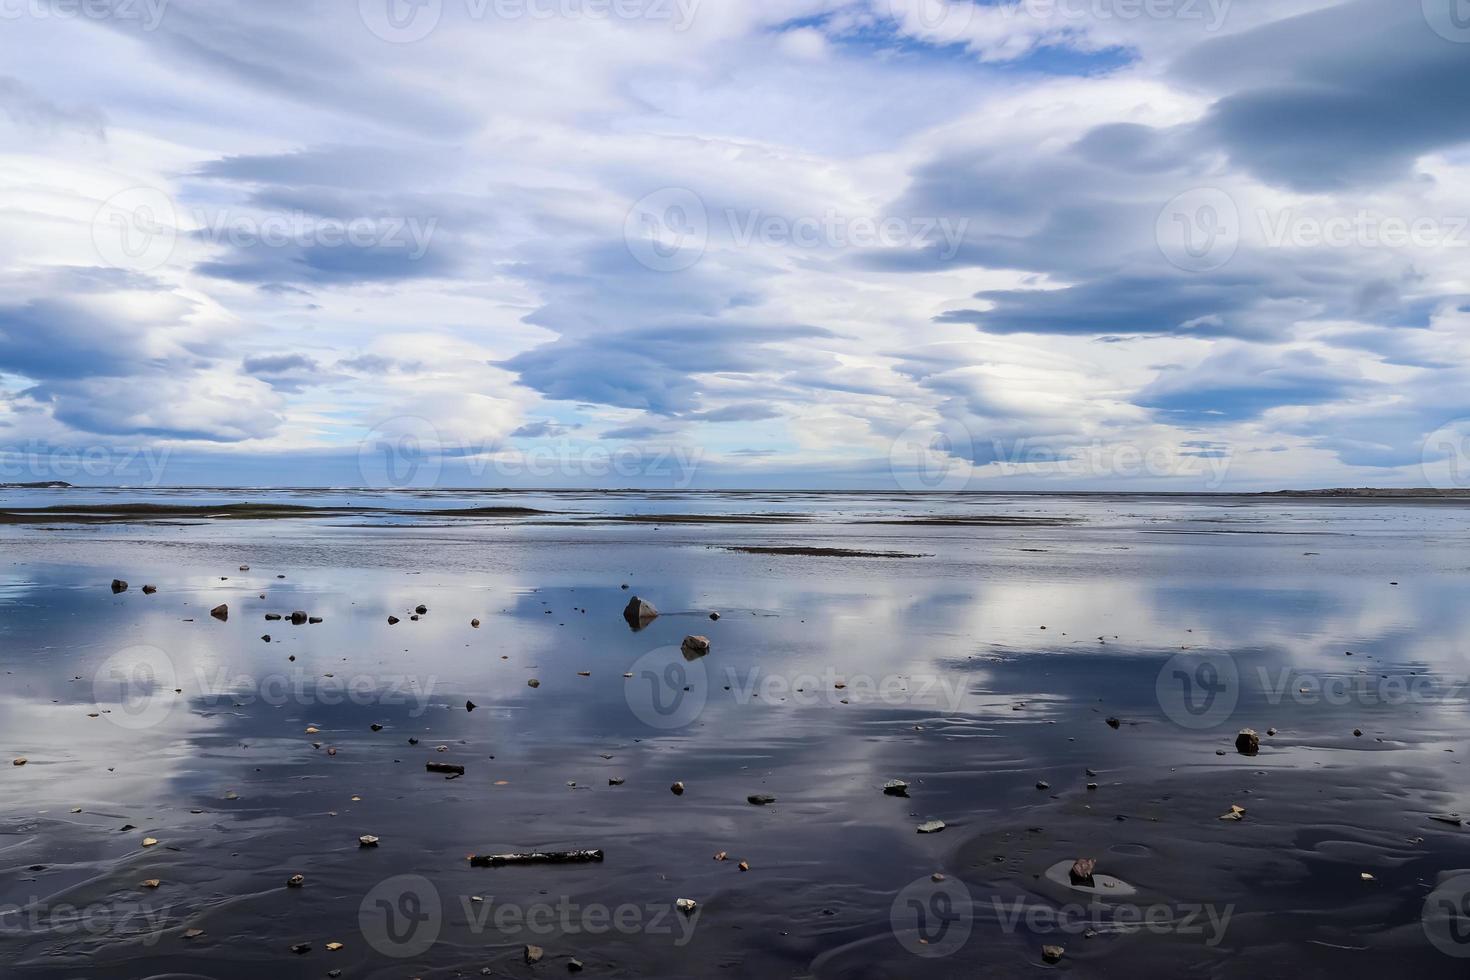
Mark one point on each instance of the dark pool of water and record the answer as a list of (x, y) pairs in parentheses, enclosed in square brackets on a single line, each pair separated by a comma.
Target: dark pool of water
[(1183, 621)]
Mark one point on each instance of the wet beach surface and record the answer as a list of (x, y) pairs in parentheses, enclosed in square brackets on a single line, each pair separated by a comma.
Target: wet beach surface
[(1181, 620)]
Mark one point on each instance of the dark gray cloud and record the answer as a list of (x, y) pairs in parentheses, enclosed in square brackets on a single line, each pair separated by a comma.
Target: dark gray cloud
[(1236, 383)]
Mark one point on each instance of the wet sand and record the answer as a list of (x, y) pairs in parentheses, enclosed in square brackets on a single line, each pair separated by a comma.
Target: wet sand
[(826, 679)]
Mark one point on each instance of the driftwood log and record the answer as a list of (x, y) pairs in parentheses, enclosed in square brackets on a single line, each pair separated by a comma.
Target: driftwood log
[(534, 857)]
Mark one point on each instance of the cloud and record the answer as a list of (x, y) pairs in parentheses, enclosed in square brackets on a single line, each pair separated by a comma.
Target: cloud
[(1236, 383)]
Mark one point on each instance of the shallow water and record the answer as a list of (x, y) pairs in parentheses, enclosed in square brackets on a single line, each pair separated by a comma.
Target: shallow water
[(949, 682)]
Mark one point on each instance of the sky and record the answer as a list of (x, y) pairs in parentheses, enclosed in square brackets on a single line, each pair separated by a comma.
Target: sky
[(879, 244)]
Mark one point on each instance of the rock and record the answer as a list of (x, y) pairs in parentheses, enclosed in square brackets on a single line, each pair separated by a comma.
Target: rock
[(760, 799), (299, 618), (743, 866), (533, 954), (20, 762), (931, 827), (615, 780), (677, 789), (1081, 873), (267, 638), (376, 727), (1051, 954), (721, 856), (1365, 876), (1247, 742), (313, 620), (1357, 733), (695, 644), (1113, 723), (1043, 784), (533, 682), (1271, 732), (470, 706), (118, 585), (150, 842), (367, 840), (639, 613), (421, 609), (1236, 813), (272, 617), (895, 787), (444, 767), (149, 883), (301, 949), (1092, 785), (220, 612), (1453, 819), (333, 948), (393, 620), (193, 933), (574, 965), (474, 624), (714, 616), (296, 881), (149, 589), (686, 905)]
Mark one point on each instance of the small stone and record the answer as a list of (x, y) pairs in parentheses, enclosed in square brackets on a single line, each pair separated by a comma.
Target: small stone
[(615, 780), (299, 618), (1236, 813), (760, 799), (686, 905), (150, 883), (149, 589), (1365, 876), (896, 787), (721, 856), (677, 789), (150, 842), (1052, 954), (334, 947), (193, 933), (931, 827), (367, 840), (296, 881), (20, 762), (533, 954), (421, 609), (470, 706), (533, 682), (1247, 742), (1271, 731), (743, 866), (474, 624), (574, 966), (1357, 733), (393, 620), (1081, 872), (714, 616), (376, 727), (1113, 723), (220, 612), (118, 585), (639, 612), (301, 949), (937, 876), (1043, 784), (695, 644)]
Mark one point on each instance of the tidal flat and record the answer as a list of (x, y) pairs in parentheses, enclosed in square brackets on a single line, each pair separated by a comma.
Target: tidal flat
[(1050, 678)]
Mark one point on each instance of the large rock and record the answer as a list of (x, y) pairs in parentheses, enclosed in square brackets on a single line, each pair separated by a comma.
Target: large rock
[(1247, 742), (639, 613), (118, 585)]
